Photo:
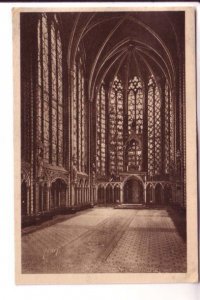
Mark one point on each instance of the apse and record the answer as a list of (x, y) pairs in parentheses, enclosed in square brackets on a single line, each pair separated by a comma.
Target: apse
[(102, 100)]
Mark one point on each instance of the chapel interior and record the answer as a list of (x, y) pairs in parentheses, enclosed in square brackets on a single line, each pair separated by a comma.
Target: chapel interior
[(102, 111)]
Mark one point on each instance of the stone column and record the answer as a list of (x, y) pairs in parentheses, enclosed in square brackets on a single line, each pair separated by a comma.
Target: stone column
[(28, 200), (73, 195), (78, 196), (113, 195), (36, 197), (145, 194), (48, 197), (31, 208), (153, 195), (82, 195), (95, 191), (66, 197), (121, 194), (55, 198), (87, 195), (104, 194), (162, 196), (84, 189), (42, 196), (75, 199), (91, 194), (174, 194), (59, 193)]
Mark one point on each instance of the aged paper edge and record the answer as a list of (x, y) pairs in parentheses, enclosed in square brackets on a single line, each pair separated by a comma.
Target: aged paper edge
[(191, 164)]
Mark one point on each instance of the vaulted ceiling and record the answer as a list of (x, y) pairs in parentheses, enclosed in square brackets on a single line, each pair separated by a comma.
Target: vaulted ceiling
[(125, 44)]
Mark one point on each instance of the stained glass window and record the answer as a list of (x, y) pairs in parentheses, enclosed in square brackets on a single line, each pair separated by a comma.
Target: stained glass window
[(43, 86), (154, 128), (169, 130), (100, 132), (116, 127), (50, 95), (135, 112), (118, 121), (75, 111), (79, 116), (60, 99)]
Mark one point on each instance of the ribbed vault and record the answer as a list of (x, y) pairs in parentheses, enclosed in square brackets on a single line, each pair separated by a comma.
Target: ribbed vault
[(128, 44)]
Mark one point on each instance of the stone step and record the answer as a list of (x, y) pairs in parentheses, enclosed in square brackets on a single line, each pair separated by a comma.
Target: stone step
[(129, 206)]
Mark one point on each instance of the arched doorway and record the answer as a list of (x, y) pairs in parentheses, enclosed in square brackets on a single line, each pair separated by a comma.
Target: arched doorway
[(158, 194), (86, 192), (100, 195), (109, 194), (81, 194), (58, 193), (133, 191), (41, 197), (45, 197), (150, 194), (116, 194), (167, 194), (24, 199)]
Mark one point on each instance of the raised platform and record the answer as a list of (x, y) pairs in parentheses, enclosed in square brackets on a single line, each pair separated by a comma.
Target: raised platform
[(129, 206)]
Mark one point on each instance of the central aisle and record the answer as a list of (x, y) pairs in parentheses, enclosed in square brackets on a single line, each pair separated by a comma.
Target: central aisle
[(106, 240)]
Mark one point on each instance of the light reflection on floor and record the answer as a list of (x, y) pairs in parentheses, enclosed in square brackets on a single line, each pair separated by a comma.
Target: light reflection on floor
[(107, 240)]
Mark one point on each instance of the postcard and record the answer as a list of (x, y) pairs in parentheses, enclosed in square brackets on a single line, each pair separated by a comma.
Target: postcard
[(105, 145)]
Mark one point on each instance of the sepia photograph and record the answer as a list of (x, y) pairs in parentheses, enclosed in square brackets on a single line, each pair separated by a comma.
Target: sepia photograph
[(105, 145)]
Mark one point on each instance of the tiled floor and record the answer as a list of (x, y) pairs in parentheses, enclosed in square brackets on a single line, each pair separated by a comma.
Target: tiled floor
[(106, 240)]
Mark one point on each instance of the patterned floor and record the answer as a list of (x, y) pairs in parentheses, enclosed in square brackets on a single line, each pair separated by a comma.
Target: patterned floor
[(107, 240)]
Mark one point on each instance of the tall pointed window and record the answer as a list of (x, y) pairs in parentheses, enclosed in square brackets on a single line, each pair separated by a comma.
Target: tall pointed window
[(79, 116), (116, 127), (50, 90), (100, 132), (135, 113), (75, 111), (169, 130), (154, 128)]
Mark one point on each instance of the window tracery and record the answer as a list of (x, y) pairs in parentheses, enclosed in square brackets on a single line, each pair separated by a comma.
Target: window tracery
[(101, 132), (154, 128), (79, 116), (135, 112), (50, 95), (116, 121), (169, 130)]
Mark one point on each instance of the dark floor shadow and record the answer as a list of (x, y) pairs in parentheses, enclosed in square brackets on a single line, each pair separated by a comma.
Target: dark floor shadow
[(178, 216)]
